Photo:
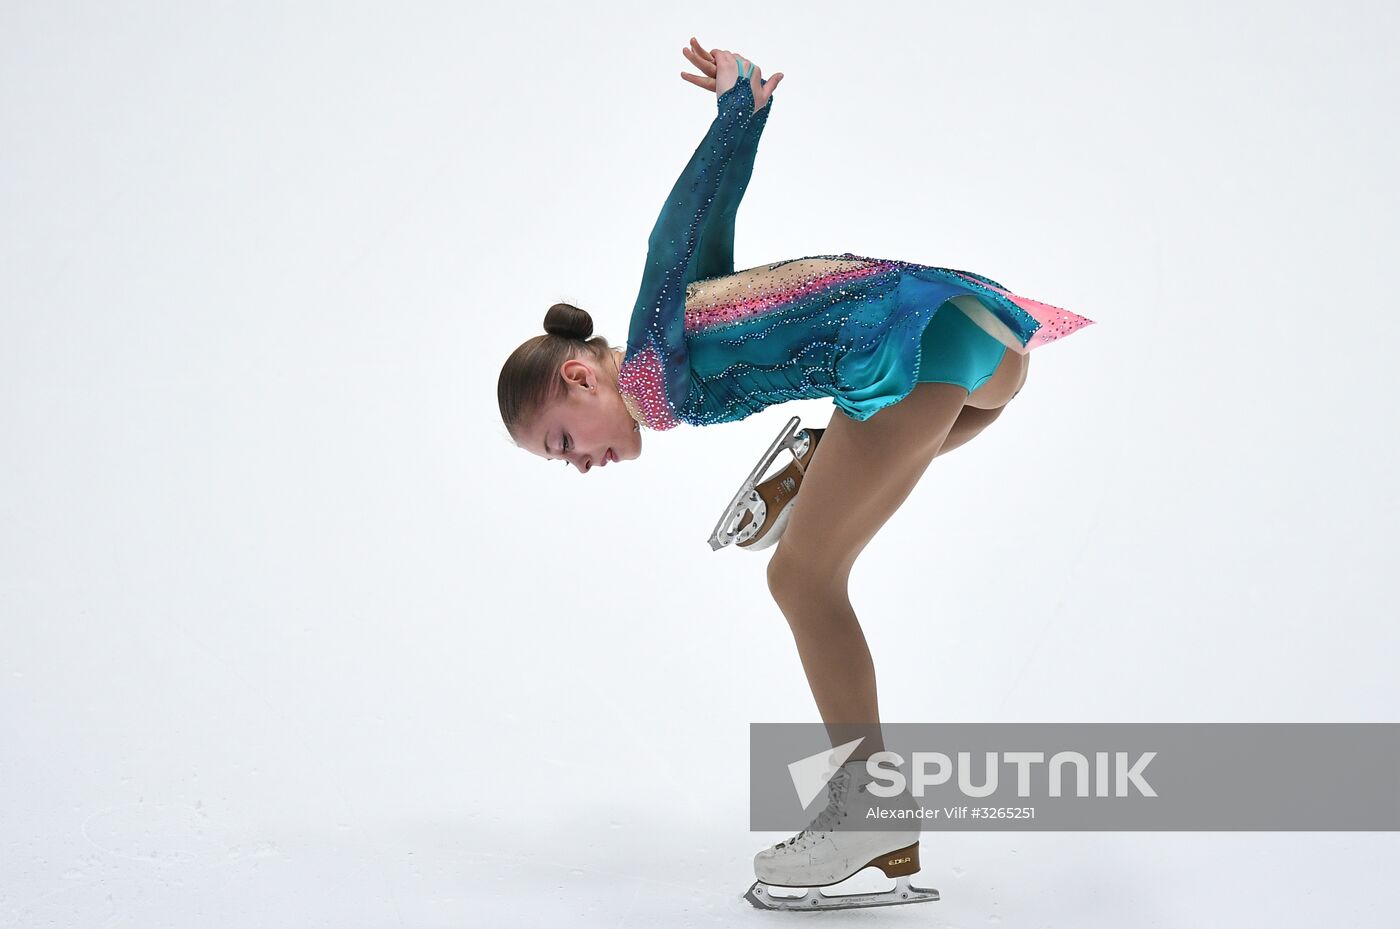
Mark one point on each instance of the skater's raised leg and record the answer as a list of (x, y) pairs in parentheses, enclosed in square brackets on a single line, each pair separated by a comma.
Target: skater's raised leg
[(971, 421)]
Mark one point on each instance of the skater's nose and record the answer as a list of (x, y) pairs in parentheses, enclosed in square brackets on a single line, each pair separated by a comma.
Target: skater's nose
[(590, 460)]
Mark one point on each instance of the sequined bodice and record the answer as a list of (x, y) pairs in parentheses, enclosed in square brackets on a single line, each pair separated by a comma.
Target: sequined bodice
[(709, 344)]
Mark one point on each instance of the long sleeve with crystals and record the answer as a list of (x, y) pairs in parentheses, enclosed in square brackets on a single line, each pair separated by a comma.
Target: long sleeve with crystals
[(655, 374), (714, 255)]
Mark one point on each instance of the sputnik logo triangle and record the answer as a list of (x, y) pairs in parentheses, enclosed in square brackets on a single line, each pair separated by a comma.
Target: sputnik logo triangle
[(810, 775)]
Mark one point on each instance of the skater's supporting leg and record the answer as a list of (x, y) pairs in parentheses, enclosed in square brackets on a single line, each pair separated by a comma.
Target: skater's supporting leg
[(859, 475)]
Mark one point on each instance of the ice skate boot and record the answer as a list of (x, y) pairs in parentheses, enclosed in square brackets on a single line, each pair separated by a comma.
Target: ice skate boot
[(758, 514), (835, 847)]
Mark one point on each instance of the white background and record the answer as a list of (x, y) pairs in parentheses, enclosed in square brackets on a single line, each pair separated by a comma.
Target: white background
[(292, 635)]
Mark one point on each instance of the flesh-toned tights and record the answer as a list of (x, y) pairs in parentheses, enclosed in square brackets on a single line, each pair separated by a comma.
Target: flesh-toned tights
[(859, 475)]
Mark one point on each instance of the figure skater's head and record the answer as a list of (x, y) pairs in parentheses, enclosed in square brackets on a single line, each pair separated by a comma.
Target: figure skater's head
[(559, 397)]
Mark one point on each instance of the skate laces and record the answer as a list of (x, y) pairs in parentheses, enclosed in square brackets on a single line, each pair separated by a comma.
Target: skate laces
[(836, 790)]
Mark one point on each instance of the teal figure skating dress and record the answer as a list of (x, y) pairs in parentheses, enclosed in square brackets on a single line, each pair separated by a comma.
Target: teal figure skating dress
[(710, 345)]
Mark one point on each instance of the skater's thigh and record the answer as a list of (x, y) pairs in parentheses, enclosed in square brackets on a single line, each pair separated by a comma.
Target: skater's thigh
[(860, 473)]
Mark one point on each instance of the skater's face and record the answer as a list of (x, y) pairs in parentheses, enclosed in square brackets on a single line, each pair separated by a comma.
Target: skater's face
[(590, 426)]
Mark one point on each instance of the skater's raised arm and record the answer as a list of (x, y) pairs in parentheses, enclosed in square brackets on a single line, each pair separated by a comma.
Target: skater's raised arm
[(714, 256), (658, 317)]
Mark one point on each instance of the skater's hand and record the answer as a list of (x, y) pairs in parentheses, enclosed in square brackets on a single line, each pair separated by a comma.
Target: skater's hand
[(719, 70)]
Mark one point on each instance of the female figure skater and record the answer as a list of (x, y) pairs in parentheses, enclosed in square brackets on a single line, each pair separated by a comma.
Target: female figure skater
[(915, 359)]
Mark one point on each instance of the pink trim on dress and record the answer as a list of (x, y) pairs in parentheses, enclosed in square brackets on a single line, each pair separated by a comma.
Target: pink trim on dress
[(1055, 322), (747, 307)]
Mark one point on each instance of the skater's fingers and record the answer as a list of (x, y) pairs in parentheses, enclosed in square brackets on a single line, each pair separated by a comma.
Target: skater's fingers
[(707, 83), (706, 68), (763, 89), (699, 53)]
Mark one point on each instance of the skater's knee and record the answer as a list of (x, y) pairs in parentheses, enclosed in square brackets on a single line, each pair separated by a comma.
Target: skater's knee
[(784, 581), (795, 583)]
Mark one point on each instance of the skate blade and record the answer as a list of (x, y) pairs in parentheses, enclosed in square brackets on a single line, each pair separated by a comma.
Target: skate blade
[(757, 515), (726, 531), (770, 533), (761, 895), (778, 495)]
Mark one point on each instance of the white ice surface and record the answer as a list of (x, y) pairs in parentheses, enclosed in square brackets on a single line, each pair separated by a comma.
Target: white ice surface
[(291, 635)]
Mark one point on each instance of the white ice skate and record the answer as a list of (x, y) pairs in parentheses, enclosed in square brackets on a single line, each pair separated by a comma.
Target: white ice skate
[(758, 514), (834, 847)]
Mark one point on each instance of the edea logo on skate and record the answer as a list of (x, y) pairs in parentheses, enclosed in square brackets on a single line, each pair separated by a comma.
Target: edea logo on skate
[(1079, 776)]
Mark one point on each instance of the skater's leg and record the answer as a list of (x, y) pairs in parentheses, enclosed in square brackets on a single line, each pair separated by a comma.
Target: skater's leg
[(985, 404), (859, 475), (970, 422)]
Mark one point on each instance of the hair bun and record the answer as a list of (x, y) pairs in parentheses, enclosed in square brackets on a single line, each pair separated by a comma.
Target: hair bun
[(567, 320)]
